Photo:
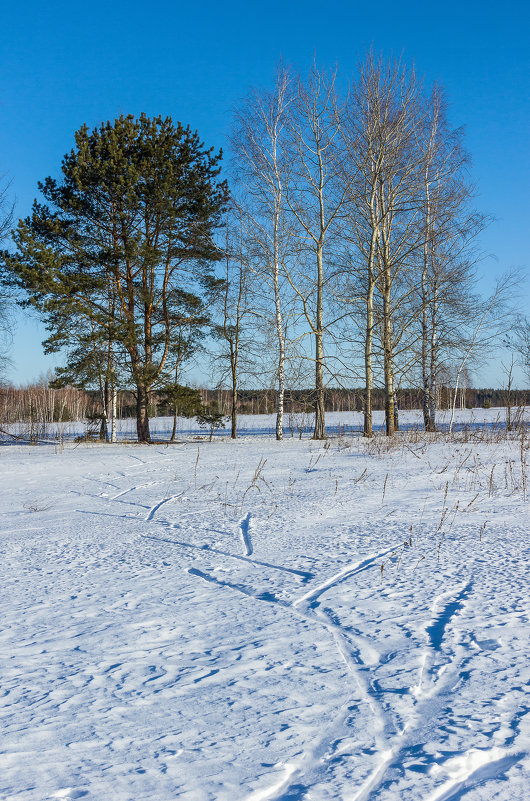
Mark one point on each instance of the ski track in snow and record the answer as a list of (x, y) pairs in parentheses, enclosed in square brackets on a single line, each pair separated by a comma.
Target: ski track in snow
[(388, 750), (304, 575), (310, 760), (406, 679), (259, 596), (132, 489)]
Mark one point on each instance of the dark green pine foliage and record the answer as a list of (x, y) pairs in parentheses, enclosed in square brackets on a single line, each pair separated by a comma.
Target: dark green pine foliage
[(119, 259)]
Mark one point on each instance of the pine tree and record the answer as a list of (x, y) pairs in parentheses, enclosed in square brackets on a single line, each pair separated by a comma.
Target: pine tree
[(124, 245)]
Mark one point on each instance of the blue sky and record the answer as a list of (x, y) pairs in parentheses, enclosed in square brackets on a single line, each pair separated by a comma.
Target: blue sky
[(64, 64)]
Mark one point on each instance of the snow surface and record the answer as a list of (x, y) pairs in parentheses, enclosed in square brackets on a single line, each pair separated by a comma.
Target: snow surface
[(261, 621)]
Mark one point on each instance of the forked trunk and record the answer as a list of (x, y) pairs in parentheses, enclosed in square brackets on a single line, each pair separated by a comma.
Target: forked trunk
[(114, 413)]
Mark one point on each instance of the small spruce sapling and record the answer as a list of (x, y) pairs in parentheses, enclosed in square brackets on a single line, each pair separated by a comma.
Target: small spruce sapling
[(211, 418)]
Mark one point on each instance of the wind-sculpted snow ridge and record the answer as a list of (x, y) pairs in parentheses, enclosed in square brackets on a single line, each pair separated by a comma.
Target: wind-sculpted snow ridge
[(230, 625)]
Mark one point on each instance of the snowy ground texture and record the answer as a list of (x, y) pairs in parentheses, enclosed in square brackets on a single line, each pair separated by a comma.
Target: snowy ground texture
[(261, 621)]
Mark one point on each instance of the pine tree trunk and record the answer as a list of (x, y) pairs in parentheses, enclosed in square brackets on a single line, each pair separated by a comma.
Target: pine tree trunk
[(114, 403), (103, 393), (174, 429), (142, 414)]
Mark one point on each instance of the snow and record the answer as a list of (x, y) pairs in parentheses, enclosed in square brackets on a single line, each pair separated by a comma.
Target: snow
[(261, 621)]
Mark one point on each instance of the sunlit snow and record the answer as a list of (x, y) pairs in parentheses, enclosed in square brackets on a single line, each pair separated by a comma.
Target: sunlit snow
[(261, 621)]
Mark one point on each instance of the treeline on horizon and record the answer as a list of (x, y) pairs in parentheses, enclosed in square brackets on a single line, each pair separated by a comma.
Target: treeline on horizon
[(41, 404), (341, 248)]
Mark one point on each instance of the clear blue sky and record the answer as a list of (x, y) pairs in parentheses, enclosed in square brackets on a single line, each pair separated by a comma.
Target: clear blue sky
[(63, 64)]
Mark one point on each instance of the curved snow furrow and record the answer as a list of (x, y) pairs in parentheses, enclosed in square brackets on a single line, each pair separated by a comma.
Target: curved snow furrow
[(108, 514), (471, 769), (436, 630), (244, 527), (347, 572), (374, 779), (154, 509), (142, 461), (312, 764), (278, 790), (101, 481), (105, 498), (311, 761)]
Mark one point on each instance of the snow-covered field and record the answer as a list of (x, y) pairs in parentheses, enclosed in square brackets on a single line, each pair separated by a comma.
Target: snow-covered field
[(260, 621), (295, 424)]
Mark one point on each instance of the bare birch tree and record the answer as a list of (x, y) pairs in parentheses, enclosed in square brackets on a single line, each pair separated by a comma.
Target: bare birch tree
[(234, 308), (448, 256), (380, 134), (262, 171), (490, 322), (317, 198)]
